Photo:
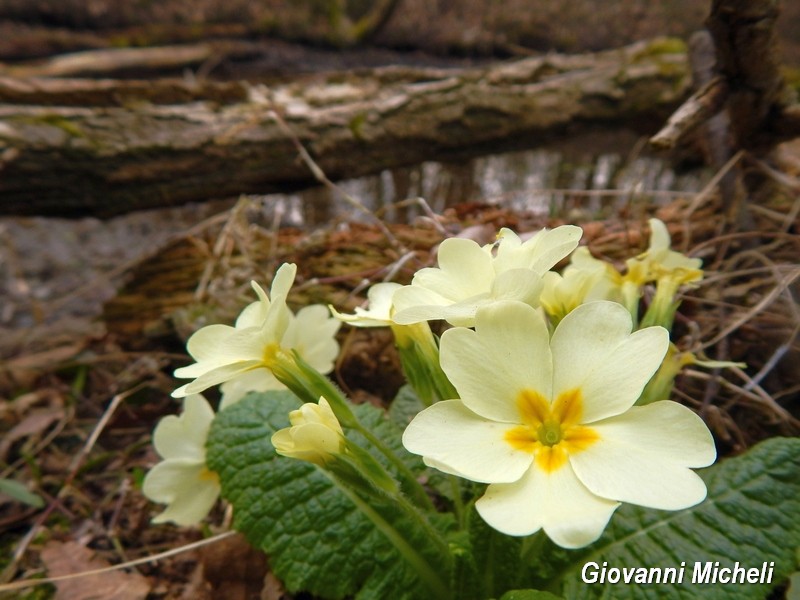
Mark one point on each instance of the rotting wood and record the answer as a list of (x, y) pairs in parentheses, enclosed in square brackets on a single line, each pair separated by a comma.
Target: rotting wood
[(105, 161), (749, 85)]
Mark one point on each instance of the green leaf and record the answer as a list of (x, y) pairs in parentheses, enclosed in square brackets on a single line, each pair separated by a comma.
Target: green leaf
[(405, 406), (751, 516), (497, 564), (319, 537), (19, 492)]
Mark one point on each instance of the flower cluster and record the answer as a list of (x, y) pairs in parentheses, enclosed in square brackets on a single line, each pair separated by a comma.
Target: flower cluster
[(536, 389), (242, 358)]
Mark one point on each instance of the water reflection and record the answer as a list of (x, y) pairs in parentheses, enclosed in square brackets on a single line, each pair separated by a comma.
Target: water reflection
[(540, 181)]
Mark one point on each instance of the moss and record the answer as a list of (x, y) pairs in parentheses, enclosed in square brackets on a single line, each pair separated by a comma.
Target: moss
[(54, 120), (792, 77), (356, 125), (664, 45)]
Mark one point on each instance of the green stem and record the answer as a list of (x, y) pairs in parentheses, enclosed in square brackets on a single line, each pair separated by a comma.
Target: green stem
[(419, 563), (295, 371), (532, 546), (413, 486), (458, 502)]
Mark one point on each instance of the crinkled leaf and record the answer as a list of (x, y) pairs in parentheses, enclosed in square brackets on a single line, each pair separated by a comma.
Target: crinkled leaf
[(315, 536), (493, 564), (405, 406), (751, 516)]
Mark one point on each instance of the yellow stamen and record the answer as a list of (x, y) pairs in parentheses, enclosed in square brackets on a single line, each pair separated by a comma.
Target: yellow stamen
[(551, 431)]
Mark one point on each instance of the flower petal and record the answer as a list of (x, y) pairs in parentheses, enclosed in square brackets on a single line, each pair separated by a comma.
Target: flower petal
[(557, 502), (216, 345), (523, 285), (659, 235), (541, 252), (465, 269), (254, 314), (414, 304), (617, 384), (507, 353), (215, 377), (312, 334), (593, 350), (185, 436), (282, 282), (381, 307), (255, 380), (188, 488), (450, 434), (643, 457)]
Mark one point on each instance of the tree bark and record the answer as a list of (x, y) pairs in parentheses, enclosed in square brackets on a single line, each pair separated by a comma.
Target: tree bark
[(749, 85), (119, 153)]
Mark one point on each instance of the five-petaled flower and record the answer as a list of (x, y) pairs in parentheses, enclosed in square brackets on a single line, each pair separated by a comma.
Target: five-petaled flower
[(550, 423), (182, 480), (470, 276), (241, 357)]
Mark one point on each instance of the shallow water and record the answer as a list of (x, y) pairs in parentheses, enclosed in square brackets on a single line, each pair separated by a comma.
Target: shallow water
[(586, 173)]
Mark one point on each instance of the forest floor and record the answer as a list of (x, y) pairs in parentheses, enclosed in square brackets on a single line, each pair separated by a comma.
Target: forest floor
[(82, 397), (82, 388)]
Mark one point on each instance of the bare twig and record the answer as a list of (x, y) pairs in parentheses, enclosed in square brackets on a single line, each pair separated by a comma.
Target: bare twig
[(784, 283), (698, 108), (73, 471)]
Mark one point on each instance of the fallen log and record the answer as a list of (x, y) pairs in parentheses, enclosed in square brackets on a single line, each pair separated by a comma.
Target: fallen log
[(136, 153)]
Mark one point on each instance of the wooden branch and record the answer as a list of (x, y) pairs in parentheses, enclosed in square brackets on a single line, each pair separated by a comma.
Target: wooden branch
[(748, 57), (787, 123), (43, 91), (108, 61), (749, 83), (82, 160), (699, 108)]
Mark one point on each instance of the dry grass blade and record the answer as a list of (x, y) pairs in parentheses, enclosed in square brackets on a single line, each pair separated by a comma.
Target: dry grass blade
[(18, 585)]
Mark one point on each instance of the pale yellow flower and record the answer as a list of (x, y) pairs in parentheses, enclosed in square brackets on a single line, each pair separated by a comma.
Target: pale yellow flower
[(660, 264), (585, 279), (315, 435), (240, 357), (182, 480), (311, 333), (470, 276), (551, 424)]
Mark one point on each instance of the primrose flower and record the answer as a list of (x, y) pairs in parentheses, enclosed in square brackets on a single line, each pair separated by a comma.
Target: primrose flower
[(585, 279), (182, 480), (670, 269), (550, 423), (470, 276), (244, 354), (311, 333), (315, 434)]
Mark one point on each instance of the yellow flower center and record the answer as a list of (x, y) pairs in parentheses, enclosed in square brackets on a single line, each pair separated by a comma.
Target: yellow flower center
[(270, 354), (551, 431)]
